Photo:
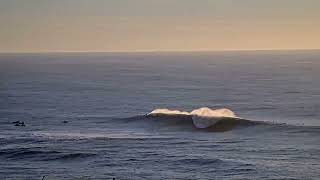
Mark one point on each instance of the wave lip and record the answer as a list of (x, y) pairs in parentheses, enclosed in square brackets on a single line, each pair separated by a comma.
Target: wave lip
[(202, 118)]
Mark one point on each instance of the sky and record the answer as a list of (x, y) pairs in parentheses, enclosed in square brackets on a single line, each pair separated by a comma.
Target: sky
[(158, 25)]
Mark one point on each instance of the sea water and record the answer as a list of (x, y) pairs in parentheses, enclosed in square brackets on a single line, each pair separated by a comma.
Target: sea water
[(86, 115)]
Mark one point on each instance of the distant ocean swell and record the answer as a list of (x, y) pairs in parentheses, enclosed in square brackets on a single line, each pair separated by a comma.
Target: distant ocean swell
[(39, 154), (204, 119)]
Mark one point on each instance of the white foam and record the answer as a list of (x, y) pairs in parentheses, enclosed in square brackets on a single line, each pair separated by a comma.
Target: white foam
[(168, 112), (207, 112), (202, 118)]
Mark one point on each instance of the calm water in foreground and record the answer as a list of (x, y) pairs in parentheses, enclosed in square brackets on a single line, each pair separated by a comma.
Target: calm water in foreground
[(84, 115)]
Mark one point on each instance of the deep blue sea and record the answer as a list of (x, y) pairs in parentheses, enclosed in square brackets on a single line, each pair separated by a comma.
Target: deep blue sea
[(85, 115)]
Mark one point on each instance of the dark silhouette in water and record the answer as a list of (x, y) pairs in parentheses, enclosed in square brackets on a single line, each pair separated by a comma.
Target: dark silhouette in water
[(19, 123)]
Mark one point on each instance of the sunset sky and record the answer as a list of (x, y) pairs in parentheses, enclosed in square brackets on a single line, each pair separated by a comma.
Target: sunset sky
[(158, 25)]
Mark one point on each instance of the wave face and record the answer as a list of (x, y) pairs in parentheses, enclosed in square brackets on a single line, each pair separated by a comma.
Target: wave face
[(203, 118)]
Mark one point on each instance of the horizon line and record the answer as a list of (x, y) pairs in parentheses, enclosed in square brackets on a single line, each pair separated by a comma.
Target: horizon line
[(159, 51)]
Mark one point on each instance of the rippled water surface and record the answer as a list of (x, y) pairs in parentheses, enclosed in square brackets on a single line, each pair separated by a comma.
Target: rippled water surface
[(85, 115)]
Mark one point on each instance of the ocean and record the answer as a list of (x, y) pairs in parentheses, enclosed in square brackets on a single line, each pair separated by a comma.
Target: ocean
[(87, 115)]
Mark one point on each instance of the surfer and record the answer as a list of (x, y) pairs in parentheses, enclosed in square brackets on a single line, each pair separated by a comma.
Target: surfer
[(19, 123)]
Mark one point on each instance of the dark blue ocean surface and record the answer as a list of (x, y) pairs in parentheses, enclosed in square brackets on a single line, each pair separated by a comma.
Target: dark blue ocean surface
[(84, 115)]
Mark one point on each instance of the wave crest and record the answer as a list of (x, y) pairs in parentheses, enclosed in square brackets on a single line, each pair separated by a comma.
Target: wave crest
[(202, 118), (167, 112)]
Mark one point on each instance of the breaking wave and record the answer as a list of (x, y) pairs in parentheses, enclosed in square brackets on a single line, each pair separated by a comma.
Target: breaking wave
[(203, 112), (202, 118)]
